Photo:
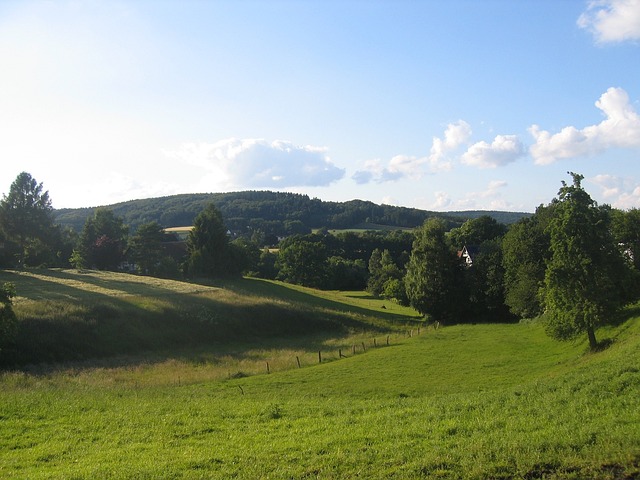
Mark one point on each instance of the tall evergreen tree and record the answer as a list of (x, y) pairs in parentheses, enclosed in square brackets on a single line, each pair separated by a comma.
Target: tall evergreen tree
[(102, 242), (585, 277), (26, 215), (145, 248)]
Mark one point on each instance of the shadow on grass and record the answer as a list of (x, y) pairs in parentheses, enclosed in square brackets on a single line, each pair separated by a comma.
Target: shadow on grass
[(65, 322), (259, 287)]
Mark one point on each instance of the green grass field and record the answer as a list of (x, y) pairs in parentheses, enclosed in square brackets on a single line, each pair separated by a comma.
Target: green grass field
[(468, 401)]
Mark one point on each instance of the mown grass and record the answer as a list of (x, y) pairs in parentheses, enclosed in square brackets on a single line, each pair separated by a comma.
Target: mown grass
[(469, 401)]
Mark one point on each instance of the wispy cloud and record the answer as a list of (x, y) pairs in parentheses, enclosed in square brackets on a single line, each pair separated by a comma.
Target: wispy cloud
[(617, 191), (258, 163), (612, 20), (620, 129), (414, 167), (489, 198)]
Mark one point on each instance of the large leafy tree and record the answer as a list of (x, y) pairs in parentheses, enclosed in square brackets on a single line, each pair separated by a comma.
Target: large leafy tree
[(102, 242), (585, 278), (433, 273), (303, 262), (26, 215)]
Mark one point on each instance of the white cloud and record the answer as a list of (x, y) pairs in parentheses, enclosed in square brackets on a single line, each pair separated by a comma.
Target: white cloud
[(412, 167), (619, 192), (503, 150), (620, 129), (399, 167), (257, 163), (629, 200), (455, 135), (488, 199), (612, 20), (443, 200)]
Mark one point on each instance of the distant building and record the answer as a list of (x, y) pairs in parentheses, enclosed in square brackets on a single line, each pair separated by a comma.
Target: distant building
[(467, 254)]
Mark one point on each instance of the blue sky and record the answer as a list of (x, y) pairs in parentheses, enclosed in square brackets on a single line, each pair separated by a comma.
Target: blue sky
[(439, 105)]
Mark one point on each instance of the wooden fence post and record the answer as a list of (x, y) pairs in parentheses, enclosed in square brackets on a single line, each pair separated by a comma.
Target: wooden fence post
[(268, 370), (387, 340), (298, 360), (319, 356), (364, 349)]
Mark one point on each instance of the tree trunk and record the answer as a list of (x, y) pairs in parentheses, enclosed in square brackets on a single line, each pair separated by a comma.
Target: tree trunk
[(593, 343)]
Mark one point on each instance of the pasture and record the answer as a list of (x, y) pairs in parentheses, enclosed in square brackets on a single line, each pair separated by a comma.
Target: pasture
[(467, 401)]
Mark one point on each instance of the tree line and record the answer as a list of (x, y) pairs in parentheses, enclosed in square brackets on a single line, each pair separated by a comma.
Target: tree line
[(573, 260)]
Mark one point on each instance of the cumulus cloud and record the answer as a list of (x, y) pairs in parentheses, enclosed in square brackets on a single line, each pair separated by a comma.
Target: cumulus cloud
[(257, 163), (455, 135), (612, 20), (503, 150), (620, 129)]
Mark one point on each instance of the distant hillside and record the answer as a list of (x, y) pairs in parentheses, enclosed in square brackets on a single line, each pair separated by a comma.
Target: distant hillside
[(275, 213), (501, 217)]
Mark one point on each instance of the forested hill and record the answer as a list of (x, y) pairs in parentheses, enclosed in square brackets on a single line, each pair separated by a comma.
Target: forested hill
[(272, 212)]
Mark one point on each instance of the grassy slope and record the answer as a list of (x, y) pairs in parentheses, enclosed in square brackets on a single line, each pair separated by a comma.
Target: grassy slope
[(484, 401), (66, 315)]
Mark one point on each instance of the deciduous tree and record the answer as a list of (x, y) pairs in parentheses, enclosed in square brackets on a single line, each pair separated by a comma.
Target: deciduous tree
[(433, 273), (585, 276), (208, 246), (303, 262), (525, 249), (476, 231)]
